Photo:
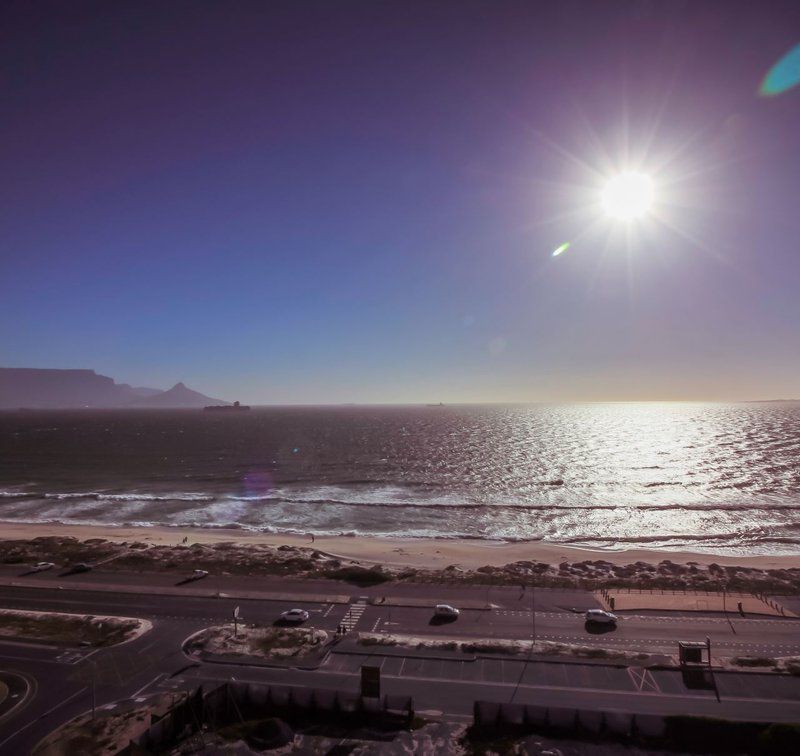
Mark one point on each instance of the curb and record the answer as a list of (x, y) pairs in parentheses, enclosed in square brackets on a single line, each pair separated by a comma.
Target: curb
[(31, 686)]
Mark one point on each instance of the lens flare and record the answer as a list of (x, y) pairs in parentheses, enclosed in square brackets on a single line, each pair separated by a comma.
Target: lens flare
[(563, 248), (784, 75), (257, 484), (628, 196)]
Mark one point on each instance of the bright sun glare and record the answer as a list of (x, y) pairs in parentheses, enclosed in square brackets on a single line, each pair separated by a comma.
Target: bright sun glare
[(628, 196)]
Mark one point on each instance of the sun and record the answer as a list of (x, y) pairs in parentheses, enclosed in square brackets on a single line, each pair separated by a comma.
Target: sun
[(628, 196)]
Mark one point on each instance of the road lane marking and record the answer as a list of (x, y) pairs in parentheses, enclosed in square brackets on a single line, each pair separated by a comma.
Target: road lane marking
[(42, 716), (642, 678), (354, 614), (154, 681)]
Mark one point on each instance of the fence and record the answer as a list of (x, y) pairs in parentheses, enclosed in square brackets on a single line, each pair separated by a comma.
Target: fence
[(608, 595), (619, 725), (683, 733)]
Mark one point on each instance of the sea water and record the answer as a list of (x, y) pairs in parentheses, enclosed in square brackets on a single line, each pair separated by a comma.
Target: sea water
[(710, 477)]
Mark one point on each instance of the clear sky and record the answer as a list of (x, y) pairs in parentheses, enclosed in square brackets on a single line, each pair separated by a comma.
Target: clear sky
[(358, 201)]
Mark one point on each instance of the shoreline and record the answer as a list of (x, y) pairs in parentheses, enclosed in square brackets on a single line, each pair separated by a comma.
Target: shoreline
[(433, 553)]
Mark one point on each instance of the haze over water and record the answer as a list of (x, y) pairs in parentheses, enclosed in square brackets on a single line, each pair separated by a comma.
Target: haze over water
[(702, 476)]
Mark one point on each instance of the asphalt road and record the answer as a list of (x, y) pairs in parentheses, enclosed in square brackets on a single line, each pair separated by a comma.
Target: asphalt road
[(66, 680), (558, 617)]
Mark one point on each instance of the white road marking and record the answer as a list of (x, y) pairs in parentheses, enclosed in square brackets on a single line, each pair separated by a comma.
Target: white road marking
[(42, 716), (642, 678), (147, 685), (354, 614)]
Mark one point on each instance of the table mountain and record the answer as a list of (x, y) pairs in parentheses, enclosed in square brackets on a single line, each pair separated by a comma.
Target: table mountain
[(38, 388)]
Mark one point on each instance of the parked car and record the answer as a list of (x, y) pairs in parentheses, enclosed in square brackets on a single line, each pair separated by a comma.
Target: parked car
[(601, 617), (445, 610), (42, 566), (295, 615), (197, 574), (80, 567)]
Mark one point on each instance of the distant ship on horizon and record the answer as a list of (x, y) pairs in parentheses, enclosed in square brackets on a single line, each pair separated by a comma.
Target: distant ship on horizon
[(235, 407)]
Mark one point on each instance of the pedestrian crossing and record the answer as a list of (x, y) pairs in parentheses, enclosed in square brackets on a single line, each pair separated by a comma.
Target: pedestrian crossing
[(354, 614)]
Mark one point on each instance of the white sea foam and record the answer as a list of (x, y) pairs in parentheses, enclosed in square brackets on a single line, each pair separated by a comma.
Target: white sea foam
[(700, 475)]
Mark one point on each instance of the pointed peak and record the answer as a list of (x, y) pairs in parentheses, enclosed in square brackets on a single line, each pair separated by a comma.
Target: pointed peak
[(180, 395)]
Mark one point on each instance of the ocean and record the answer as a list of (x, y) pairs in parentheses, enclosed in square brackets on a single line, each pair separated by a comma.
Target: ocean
[(720, 478)]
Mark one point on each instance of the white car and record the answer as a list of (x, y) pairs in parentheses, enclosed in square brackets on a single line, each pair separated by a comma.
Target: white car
[(601, 617), (42, 566), (445, 610), (295, 615)]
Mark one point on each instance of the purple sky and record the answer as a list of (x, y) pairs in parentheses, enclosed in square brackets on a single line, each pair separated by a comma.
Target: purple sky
[(357, 201)]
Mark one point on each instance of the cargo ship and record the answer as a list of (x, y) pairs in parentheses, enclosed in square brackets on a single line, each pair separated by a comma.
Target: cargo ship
[(235, 407)]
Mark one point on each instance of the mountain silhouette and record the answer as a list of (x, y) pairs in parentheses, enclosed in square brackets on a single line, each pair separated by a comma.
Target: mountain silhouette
[(64, 389), (49, 388), (180, 395)]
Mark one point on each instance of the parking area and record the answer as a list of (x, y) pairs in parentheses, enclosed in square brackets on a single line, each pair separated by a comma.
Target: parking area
[(697, 682), (501, 671)]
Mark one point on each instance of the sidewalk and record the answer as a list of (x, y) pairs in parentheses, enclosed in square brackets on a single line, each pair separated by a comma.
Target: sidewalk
[(183, 591), (689, 601)]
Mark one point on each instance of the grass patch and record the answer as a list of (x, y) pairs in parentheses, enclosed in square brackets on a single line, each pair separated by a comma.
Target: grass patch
[(279, 640), (65, 630), (595, 653), (754, 661), (372, 640), (446, 646), (274, 642), (487, 648)]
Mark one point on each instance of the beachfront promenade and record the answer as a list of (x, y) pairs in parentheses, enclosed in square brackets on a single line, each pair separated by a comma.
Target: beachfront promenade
[(61, 680)]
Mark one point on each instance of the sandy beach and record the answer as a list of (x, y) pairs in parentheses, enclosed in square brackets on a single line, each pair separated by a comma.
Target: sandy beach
[(420, 553)]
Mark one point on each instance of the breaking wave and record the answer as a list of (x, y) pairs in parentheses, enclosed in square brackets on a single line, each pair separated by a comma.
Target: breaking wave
[(709, 477)]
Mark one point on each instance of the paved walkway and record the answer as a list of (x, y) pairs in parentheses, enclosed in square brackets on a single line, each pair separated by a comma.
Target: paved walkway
[(182, 588), (625, 600)]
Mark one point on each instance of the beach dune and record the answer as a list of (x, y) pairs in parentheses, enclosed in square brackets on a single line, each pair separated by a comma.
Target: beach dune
[(400, 552)]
